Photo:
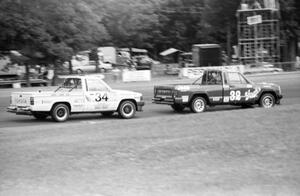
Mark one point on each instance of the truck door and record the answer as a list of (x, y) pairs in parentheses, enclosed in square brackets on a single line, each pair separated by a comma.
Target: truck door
[(236, 88), (213, 80), (98, 96)]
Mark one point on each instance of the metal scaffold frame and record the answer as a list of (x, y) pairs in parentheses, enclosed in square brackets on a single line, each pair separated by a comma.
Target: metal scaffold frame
[(259, 42)]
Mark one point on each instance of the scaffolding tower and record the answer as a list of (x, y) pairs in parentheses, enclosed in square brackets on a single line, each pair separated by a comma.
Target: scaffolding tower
[(259, 42)]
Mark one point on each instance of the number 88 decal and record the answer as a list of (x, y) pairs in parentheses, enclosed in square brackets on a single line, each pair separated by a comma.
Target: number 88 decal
[(235, 95)]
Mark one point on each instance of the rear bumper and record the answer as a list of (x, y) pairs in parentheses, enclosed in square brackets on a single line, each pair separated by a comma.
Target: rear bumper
[(140, 106), (19, 110), (167, 101)]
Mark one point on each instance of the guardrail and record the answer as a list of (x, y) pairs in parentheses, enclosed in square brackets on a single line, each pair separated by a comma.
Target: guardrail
[(20, 83), (285, 66)]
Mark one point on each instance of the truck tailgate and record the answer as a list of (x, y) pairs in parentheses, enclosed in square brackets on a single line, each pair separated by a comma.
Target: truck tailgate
[(21, 99)]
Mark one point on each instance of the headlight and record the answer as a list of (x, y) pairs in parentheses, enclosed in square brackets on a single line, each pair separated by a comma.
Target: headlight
[(139, 98), (182, 88)]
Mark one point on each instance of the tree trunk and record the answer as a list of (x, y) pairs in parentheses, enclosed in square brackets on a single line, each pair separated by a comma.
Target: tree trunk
[(55, 73), (228, 42), (70, 67)]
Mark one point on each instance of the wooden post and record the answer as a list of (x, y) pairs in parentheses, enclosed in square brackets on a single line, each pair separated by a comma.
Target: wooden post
[(27, 75)]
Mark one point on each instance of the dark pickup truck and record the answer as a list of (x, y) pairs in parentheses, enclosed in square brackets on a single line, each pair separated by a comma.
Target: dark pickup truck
[(217, 87)]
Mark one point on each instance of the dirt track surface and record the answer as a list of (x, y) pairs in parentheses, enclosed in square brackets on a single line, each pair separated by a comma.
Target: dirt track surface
[(225, 151)]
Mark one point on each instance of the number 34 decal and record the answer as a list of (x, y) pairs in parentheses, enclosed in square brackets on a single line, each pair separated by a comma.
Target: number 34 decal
[(235, 95), (100, 97)]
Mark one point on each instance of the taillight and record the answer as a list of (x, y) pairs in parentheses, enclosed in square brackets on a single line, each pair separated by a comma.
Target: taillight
[(31, 101)]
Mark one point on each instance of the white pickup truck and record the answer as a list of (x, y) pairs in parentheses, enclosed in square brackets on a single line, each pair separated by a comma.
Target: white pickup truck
[(78, 94)]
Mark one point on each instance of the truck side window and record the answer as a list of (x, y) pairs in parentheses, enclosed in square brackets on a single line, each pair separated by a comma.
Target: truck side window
[(213, 78)]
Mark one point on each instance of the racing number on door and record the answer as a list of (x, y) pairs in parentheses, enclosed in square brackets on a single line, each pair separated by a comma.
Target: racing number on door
[(100, 97), (235, 95)]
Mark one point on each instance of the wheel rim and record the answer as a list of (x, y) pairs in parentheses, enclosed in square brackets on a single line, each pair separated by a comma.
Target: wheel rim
[(199, 105), (127, 110), (268, 102), (61, 113)]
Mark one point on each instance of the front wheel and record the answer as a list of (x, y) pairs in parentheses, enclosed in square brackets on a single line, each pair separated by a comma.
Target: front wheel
[(267, 100), (60, 113), (198, 105), (178, 107), (127, 109)]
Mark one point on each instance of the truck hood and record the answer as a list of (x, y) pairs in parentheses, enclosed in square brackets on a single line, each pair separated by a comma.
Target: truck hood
[(267, 85)]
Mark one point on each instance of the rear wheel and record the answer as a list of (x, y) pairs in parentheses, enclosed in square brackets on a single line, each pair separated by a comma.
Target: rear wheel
[(127, 109), (267, 100), (40, 115), (60, 112), (178, 107), (198, 105)]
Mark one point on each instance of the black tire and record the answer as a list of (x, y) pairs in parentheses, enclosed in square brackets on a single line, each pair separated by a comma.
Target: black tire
[(198, 105), (127, 109), (107, 114), (40, 115), (178, 107), (267, 100), (60, 112)]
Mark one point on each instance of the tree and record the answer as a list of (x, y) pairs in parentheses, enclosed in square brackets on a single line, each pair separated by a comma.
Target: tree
[(53, 29), (130, 22), (180, 24), (221, 23), (290, 28)]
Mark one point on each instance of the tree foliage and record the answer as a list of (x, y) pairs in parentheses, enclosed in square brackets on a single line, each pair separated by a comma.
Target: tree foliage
[(56, 29), (49, 30)]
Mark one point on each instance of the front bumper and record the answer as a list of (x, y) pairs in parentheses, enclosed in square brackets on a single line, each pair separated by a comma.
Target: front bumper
[(279, 97), (24, 110), (140, 106)]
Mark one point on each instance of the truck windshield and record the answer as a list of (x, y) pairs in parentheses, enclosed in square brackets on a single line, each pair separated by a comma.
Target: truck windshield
[(198, 80)]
